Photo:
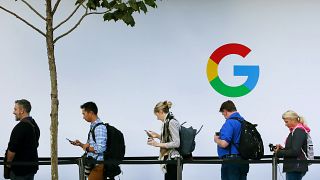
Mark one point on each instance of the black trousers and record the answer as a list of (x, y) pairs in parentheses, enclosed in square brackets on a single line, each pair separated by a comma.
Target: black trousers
[(171, 172)]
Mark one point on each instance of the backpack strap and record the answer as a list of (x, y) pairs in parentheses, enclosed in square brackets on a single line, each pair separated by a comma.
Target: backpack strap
[(232, 139), (197, 131), (92, 132)]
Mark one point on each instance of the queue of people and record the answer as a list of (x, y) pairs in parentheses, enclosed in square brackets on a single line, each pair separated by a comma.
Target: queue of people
[(24, 141)]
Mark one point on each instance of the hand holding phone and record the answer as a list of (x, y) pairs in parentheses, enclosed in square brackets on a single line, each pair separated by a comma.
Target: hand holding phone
[(217, 133), (148, 134), (69, 140)]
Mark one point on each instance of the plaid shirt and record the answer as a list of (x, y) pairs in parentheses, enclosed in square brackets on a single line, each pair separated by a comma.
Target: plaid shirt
[(101, 140)]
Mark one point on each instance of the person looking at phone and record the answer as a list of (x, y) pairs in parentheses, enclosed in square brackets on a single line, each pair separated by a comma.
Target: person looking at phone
[(23, 144), (227, 141), (93, 149), (295, 146), (169, 138)]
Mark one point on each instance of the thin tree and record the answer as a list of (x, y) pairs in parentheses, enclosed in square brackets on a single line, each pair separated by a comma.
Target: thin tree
[(110, 10)]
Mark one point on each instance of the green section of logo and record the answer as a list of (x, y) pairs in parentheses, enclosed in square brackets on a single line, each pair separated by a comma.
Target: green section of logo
[(229, 91)]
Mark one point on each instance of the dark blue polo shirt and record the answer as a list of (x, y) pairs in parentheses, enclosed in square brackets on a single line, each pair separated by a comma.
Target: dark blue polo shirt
[(230, 131)]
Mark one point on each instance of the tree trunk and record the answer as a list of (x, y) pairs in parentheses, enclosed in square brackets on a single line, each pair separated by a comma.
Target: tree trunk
[(54, 91)]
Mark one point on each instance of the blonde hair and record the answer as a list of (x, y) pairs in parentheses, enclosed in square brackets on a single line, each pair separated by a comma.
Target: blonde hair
[(163, 106), (294, 116)]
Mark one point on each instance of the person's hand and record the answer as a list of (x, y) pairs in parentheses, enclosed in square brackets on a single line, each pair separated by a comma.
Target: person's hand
[(76, 143), (216, 138), (85, 146), (152, 142), (278, 148), (8, 164), (154, 134)]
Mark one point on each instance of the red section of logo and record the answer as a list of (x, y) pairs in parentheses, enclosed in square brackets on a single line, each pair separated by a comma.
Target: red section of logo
[(228, 49)]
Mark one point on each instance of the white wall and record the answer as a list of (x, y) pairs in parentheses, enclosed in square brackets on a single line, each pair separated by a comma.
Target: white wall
[(126, 71)]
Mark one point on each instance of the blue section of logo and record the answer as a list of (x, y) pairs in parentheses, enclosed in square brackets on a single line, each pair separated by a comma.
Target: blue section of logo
[(252, 72)]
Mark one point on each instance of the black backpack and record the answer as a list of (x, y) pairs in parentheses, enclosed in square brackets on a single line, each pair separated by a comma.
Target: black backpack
[(115, 150), (251, 144)]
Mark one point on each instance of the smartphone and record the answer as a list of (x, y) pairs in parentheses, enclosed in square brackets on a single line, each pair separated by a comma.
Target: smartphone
[(148, 134), (69, 140), (217, 133)]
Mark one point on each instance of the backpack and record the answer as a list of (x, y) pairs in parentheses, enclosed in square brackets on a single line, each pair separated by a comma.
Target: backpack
[(251, 144), (187, 139), (115, 150), (310, 153)]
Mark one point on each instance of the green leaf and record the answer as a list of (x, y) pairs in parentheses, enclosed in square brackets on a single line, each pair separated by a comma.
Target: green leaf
[(134, 5), (151, 3), (118, 14), (79, 1), (108, 16), (112, 3), (130, 10), (121, 6), (142, 6), (128, 19), (105, 4), (91, 5)]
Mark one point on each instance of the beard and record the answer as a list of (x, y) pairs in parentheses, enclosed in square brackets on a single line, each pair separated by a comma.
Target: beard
[(17, 118)]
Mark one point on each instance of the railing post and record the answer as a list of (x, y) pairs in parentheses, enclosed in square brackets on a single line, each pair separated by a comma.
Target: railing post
[(274, 167), (81, 169), (179, 169)]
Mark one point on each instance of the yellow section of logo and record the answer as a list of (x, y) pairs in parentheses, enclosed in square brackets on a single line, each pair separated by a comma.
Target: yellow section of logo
[(212, 70)]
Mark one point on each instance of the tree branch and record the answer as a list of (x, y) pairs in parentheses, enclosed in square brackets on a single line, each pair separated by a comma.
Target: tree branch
[(77, 24), (23, 20), (56, 7), (69, 17), (34, 10)]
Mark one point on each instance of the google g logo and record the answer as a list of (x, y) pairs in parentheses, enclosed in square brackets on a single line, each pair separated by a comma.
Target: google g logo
[(252, 72)]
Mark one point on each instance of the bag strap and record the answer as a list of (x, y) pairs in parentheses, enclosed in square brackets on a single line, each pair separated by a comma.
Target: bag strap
[(92, 132), (232, 139), (303, 152), (197, 131)]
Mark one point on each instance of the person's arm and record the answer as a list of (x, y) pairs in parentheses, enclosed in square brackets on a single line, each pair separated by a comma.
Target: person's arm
[(10, 156), (226, 133), (174, 128), (154, 134), (101, 141), (298, 139), (17, 136), (221, 143)]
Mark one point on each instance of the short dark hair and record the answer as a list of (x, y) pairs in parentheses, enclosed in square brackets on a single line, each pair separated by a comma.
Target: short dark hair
[(228, 106), (25, 104), (90, 106)]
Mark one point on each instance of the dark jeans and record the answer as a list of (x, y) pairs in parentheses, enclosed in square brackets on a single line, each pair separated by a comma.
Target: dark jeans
[(294, 175), (234, 171), (25, 177)]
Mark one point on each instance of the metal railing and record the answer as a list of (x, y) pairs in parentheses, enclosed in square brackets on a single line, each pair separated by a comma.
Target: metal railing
[(267, 159)]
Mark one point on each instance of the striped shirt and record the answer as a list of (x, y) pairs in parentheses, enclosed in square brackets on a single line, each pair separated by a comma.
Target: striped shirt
[(101, 140)]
